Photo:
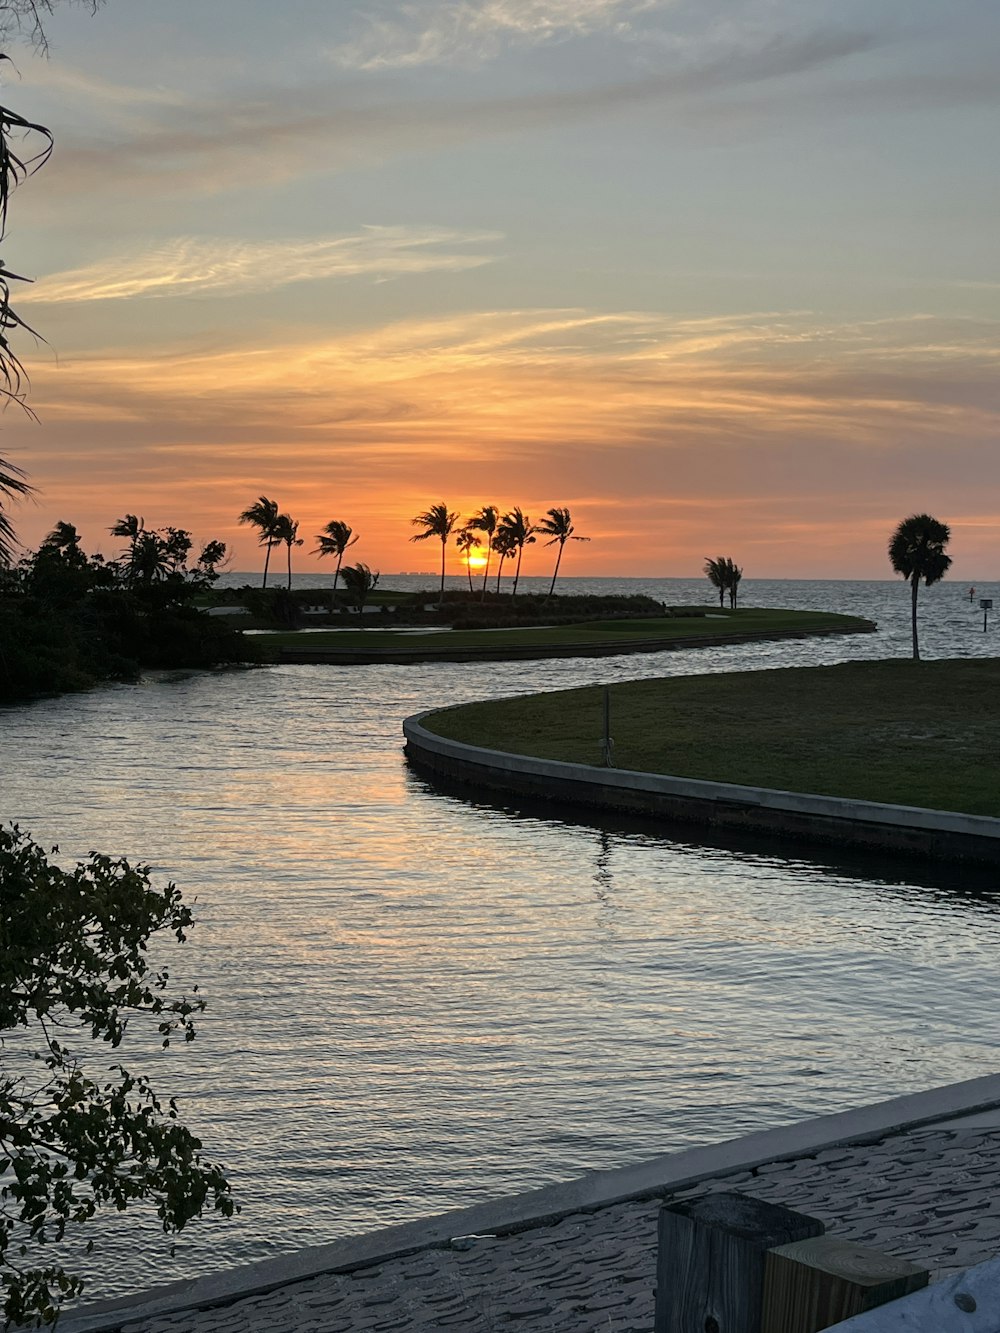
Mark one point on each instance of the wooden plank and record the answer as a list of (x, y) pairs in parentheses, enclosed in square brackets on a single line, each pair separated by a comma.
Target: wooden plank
[(813, 1283), (711, 1259), (968, 1302)]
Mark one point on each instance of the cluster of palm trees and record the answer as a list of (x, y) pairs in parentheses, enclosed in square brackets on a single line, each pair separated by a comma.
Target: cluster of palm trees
[(724, 574), (504, 536), (275, 528)]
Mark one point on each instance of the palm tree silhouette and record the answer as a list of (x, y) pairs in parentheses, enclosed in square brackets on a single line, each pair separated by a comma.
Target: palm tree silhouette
[(558, 526), (149, 560), (486, 521), (916, 550), (263, 515), (438, 521), (725, 574), (518, 533), (335, 538), (130, 526), (286, 530), (467, 541), (505, 546), (360, 582), (11, 483)]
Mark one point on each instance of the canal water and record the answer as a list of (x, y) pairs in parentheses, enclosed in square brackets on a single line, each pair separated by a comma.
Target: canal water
[(418, 1001)]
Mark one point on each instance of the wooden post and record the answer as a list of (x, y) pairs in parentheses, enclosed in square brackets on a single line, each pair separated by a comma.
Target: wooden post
[(711, 1260), (811, 1284)]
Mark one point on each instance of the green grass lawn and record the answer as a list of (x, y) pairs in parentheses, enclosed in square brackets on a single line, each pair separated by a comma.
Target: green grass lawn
[(910, 733), (666, 628)]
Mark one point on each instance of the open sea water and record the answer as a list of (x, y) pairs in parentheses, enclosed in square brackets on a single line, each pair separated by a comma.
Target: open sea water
[(418, 1001)]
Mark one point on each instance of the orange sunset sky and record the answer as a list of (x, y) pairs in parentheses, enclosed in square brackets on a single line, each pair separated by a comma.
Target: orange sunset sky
[(720, 277)]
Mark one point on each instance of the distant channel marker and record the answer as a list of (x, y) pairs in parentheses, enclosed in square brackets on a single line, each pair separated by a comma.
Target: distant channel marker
[(887, 754)]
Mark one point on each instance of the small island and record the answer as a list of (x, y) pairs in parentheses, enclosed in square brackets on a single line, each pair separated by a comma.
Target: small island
[(884, 753)]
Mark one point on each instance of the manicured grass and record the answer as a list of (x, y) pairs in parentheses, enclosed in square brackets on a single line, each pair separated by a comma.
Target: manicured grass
[(669, 629), (910, 733)]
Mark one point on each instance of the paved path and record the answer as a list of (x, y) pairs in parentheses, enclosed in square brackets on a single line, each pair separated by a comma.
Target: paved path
[(931, 1196)]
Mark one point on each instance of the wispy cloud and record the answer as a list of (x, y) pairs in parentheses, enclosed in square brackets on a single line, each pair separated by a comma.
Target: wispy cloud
[(290, 132), (471, 31), (189, 266)]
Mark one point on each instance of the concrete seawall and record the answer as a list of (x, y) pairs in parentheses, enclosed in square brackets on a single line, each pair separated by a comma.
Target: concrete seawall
[(939, 834)]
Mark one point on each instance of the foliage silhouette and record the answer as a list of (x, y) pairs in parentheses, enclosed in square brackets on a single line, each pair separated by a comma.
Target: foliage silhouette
[(286, 529), (335, 538), (467, 542), (360, 583), (517, 532), (73, 965), (263, 515), (916, 551), (725, 575), (485, 521), (557, 525), (439, 522)]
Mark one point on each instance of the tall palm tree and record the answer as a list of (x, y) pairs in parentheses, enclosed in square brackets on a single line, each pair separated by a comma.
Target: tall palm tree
[(438, 521), (263, 515), (519, 533), (467, 541), (286, 529), (558, 527), (335, 538), (916, 550), (505, 546), (129, 527), (486, 522)]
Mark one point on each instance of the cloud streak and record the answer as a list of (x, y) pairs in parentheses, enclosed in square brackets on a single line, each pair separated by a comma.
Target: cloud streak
[(189, 266), (473, 31)]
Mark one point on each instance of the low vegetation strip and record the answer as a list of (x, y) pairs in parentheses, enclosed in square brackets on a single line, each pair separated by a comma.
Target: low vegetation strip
[(620, 635), (907, 733)]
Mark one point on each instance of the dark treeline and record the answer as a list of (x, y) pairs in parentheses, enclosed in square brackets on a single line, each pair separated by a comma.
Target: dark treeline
[(69, 620)]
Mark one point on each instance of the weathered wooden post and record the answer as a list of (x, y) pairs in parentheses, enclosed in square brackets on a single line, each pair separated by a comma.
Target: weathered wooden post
[(728, 1263), (711, 1260), (814, 1283)]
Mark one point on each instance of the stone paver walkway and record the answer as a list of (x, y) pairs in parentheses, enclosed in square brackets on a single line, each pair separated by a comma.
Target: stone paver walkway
[(930, 1196)]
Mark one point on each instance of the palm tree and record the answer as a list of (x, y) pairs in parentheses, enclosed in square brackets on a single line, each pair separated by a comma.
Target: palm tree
[(130, 526), (725, 574), (467, 541), (438, 521), (149, 560), (558, 526), (286, 530), (518, 531), (263, 515), (335, 538), (64, 540), (11, 483), (505, 546), (916, 550), (715, 570), (360, 582), (486, 521)]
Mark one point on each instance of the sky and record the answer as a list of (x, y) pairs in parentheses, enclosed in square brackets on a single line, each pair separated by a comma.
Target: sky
[(721, 277)]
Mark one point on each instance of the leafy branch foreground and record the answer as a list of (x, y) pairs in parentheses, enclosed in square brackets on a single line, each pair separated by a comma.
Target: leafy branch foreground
[(73, 966)]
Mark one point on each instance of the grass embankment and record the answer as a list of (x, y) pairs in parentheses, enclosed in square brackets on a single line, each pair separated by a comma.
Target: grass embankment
[(735, 624), (909, 733)]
